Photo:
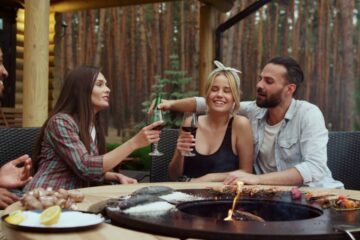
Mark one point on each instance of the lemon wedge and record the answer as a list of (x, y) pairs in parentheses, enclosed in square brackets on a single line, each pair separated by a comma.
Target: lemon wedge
[(50, 215), (15, 217)]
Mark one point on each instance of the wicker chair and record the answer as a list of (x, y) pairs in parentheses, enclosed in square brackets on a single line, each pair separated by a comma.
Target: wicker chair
[(16, 142), (159, 165), (344, 158)]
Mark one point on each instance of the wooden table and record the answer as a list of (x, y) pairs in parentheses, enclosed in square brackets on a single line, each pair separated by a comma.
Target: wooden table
[(96, 195)]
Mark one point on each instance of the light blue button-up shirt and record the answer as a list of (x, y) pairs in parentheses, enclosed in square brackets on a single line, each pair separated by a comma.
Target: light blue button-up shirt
[(300, 143)]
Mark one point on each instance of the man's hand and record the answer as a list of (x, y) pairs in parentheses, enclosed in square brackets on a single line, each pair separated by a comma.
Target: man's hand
[(165, 105), (179, 105), (240, 175), (12, 176), (6, 198), (120, 178)]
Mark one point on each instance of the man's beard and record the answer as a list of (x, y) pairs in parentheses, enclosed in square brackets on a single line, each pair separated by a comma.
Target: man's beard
[(269, 102)]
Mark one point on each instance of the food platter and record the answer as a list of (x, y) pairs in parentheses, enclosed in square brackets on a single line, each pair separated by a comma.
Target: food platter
[(69, 221)]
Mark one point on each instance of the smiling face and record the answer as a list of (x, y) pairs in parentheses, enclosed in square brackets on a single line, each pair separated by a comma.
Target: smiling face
[(3, 73), (272, 87), (220, 97), (100, 94)]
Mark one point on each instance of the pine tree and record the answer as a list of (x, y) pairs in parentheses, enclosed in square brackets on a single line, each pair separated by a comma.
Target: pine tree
[(174, 85)]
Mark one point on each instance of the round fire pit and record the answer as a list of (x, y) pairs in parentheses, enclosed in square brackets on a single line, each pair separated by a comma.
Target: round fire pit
[(268, 210), (284, 219)]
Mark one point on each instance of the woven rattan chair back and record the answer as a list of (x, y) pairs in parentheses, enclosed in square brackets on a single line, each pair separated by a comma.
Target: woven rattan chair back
[(159, 165), (344, 158), (15, 142)]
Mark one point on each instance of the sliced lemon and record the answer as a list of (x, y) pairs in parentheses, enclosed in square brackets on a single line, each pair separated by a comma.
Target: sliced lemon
[(50, 215), (15, 217)]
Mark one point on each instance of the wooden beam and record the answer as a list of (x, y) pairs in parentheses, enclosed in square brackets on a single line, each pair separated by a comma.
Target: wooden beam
[(223, 5), (72, 5), (36, 63), (207, 44)]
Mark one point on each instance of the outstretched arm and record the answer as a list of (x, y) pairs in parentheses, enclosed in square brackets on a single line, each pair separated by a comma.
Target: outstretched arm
[(180, 105), (13, 176), (143, 138), (119, 178), (290, 177)]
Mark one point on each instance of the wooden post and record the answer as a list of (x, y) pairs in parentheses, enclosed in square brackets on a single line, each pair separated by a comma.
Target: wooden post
[(207, 44), (36, 63)]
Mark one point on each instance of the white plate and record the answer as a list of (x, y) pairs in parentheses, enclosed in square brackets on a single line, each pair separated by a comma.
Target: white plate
[(69, 220)]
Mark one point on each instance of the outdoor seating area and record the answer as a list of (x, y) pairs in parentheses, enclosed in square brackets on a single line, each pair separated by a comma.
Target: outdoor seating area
[(16, 142), (343, 153), (180, 119), (343, 157)]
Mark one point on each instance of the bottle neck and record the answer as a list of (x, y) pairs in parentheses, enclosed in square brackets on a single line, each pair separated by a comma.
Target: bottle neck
[(158, 100)]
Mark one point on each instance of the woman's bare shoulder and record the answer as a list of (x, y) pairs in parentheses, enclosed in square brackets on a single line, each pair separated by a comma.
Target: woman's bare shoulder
[(241, 121), (241, 125)]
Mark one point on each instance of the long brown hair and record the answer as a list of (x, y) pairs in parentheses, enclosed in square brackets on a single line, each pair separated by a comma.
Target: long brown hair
[(75, 100)]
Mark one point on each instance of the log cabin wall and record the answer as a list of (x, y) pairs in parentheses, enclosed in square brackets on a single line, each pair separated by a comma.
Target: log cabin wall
[(20, 19), (20, 28)]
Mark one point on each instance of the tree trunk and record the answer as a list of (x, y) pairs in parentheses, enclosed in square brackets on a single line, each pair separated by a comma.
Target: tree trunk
[(346, 9), (100, 37), (69, 44)]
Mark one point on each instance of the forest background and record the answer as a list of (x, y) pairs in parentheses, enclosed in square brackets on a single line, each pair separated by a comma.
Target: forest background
[(133, 46)]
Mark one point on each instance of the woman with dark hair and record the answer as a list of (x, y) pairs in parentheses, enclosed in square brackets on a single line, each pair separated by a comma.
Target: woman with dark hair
[(70, 152)]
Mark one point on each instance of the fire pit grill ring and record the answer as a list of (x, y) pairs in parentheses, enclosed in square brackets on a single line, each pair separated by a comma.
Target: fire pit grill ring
[(269, 210), (182, 223)]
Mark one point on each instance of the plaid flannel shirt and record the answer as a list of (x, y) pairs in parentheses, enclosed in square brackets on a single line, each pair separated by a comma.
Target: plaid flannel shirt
[(64, 161)]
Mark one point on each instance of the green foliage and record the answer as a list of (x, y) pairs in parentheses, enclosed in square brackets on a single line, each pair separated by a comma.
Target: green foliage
[(142, 155), (174, 85)]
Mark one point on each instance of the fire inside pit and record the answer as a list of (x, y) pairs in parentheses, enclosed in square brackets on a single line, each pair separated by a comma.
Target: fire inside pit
[(284, 217), (267, 210)]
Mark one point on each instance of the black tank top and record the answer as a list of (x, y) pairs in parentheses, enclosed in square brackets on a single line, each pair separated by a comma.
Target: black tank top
[(223, 160)]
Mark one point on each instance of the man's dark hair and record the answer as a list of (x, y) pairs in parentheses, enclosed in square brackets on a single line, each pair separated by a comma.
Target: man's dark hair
[(294, 74)]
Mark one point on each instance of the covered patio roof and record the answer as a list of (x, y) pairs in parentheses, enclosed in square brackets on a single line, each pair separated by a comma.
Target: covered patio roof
[(73, 5)]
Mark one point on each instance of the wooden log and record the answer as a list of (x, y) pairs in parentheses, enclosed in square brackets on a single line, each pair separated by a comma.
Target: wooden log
[(207, 44), (36, 63)]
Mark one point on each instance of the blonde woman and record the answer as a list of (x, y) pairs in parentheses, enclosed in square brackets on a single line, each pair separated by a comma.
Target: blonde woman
[(223, 141)]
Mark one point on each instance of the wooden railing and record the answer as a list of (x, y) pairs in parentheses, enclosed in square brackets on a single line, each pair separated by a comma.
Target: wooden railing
[(10, 117)]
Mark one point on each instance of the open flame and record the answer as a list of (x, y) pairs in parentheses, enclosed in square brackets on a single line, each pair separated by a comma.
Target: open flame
[(239, 185)]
